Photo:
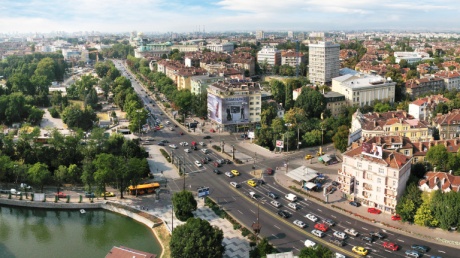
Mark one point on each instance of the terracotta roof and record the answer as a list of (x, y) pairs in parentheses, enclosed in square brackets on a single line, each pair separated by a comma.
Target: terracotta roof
[(377, 121), (387, 142), (440, 180), (421, 148), (451, 118), (430, 100), (392, 159)]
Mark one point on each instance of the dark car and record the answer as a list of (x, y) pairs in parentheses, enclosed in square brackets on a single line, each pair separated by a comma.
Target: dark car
[(377, 234), (335, 183), (164, 141), (207, 137), (161, 144), (329, 222), (227, 161), (337, 242), (216, 171), (269, 171), (207, 158), (368, 239), (356, 204), (260, 182), (420, 248), (89, 195), (283, 214), (272, 195)]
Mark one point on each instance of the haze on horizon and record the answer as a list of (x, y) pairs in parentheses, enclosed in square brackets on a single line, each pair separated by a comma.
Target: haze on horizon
[(25, 16)]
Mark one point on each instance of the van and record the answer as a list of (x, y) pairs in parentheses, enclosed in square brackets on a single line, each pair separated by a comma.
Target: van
[(291, 197), (309, 243)]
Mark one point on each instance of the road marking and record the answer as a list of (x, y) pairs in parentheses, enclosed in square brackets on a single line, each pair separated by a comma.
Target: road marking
[(319, 210), (441, 251), (365, 228), (252, 211), (348, 222), (276, 227), (333, 216), (274, 235), (296, 249), (400, 240), (368, 244), (239, 211)]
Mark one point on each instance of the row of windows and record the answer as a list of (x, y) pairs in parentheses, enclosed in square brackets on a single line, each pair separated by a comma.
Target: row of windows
[(251, 114)]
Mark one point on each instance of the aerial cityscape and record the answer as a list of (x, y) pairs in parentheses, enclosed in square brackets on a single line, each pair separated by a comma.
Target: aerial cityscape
[(229, 128)]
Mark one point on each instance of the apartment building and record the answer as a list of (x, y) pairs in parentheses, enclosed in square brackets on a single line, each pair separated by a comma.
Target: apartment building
[(423, 108), (199, 84), (363, 89), (324, 63), (448, 124), (260, 34), (184, 75), (417, 87), (451, 79), (375, 179), (268, 54), (221, 47), (292, 58), (335, 102)]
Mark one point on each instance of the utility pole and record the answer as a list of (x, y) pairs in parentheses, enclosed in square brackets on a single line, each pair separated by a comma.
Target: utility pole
[(298, 140), (256, 226), (183, 174), (233, 152)]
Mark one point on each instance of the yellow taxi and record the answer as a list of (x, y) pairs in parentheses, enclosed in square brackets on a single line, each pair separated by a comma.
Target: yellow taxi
[(360, 250), (235, 172), (107, 194), (319, 153), (308, 157), (252, 183)]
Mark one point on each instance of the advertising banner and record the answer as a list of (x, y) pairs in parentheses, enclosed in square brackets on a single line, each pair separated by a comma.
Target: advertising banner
[(372, 150), (215, 108), (279, 144), (231, 110)]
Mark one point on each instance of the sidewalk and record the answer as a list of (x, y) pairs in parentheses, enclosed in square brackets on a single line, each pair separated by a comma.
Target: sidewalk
[(337, 202)]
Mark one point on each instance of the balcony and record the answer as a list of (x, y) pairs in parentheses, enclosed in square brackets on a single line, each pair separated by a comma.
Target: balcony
[(390, 187), (366, 195), (390, 194), (343, 173), (344, 180), (368, 187)]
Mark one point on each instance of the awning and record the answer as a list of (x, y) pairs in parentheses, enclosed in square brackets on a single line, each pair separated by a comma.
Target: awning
[(310, 185), (326, 158), (302, 173)]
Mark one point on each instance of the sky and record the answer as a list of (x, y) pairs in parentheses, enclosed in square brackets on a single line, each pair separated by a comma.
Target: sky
[(26, 16)]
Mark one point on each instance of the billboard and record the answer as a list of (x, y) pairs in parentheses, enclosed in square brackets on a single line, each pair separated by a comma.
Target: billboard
[(372, 149), (279, 144), (231, 110)]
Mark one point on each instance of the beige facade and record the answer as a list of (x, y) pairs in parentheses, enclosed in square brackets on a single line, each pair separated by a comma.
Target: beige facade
[(324, 63)]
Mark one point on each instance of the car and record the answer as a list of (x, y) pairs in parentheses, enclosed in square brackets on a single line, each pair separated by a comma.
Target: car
[(205, 151), (161, 144), (164, 141), (202, 143), (390, 246), (356, 204), (272, 195), (374, 210), (420, 248), (269, 171), (260, 182), (90, 195), (207, 158), (309, 243), (234, 184), (351, 231), (275, 203), (368, 239), (216, 164), (251, 183), (235, 172), (308, 156), (396, 217), (413, 253), (14, 192), (229, 174), (204, 161), (321, 227), (171, 128), (183, 144), (340, 235), (212, 131), (337, 242), (377, 235), (227, 161), (216, 171), (198, 164), (207, 137), (329, 222), (335, 183), (294, 205), (283, 214), (318, 233), (60, 195), (299, 223), (108, 194), (187, 150), (339, 255), (181, 133), (360, 250), (291, 197), (311, 217)]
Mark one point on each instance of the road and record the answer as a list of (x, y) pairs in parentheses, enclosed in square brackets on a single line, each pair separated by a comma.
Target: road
[(281, 232)]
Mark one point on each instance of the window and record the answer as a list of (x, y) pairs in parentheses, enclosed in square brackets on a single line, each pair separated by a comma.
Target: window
[(369, 168), (394, 174), (379, 180), (359, 164), (378, 189), (381, 171)]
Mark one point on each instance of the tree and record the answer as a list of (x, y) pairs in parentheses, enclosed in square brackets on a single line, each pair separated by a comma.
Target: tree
[(184, 203), (318, 251), (409, 202), (278, 90), (39, 174), (424, 215), (196, 238), (438, 156), (340, 138), (104, 164), (262, 249), (311, 101)]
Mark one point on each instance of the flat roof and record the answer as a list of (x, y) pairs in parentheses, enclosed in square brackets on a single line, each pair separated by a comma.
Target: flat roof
[(302, 173)]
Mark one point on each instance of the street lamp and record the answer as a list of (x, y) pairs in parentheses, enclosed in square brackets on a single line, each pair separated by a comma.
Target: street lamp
[(287, 136)]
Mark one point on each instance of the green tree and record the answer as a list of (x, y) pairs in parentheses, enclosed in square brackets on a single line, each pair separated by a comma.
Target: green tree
[(262, 249), (409, 202), (39, 174), (340, 138), (196, 238), (184, 203), (424, 215), (318, 251), (278, 90), (311, 101), (60, 176), (104, 164), (438, 156)]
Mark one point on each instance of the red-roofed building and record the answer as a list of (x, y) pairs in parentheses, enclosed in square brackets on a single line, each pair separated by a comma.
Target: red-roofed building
[(417, 87), (448, 124), (451, 79), (292, 58), (374, 180), (422, 108), (443, 181)]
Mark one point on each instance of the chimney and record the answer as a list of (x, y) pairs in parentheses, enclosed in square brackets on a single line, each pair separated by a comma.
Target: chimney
[(445, 143), (434, 169), (450, 172)]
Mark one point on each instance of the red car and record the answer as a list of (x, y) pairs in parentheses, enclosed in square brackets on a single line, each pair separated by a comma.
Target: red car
[(212, 131), (374, 210), (390, 246), (61, 195), (321, 227), (396, 217), (181, 133)]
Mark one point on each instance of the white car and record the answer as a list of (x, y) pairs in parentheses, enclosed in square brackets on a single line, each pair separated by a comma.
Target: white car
[(198, 164), (171, 128), (311, 217), (351, 231), (229, 174), (338, 255), (340, 235), (183, 143), (201, 143), (275, 203), (299, 223), (234, 184), (173, 146), (204, 151), (294, 205), (187, 150), (318, 233), (309, 243)]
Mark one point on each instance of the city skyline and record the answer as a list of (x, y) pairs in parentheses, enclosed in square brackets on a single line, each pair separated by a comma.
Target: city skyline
[(28, 16)]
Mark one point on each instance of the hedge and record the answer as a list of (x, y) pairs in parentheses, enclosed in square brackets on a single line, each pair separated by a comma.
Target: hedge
[(166, 155)]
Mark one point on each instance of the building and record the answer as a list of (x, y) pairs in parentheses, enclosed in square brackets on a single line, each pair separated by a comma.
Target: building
[(268, 54), (152, 49), (290, 34), (125, 252), (199, 84), (423, 108), (184, 75), (260, 34), (451, 79), (221, 47), (234, 104), (411, 57), (417, 87), (443, 181), (364, 89), (421, 148), (335, 102), (375, 179), (324, 63), (397, 123), (448, 124), (292, 58), (392, 143), (186, 47)]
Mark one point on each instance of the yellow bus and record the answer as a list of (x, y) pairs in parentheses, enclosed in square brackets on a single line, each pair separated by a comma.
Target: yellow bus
[(143, 188)]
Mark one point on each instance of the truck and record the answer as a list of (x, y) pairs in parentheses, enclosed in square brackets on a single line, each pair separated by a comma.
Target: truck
[(291, 197)]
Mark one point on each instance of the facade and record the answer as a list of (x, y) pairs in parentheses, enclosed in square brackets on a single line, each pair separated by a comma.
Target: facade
[(152, 49), (443, 181), (269, 54), (199, 84), (186, 47), (411, 57), (418, 87), (292, 58), (335, 102), (448, 124), (363, 89), (374, 180), (423, 108), (222, 47), (260, 34), (451, 79), (183, 77), (421, 148), (324, 63), (234, 104)]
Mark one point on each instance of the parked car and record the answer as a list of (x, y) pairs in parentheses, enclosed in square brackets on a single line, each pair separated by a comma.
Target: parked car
[(351, 231), (90, 195), (216, 171), (272, 195), (275, 203), (396, 217), (356, 204), (420, 248), (311, 217), (413, 253), (374, 210), (61, 195), (299, 223), (390, 246), (283, 214)]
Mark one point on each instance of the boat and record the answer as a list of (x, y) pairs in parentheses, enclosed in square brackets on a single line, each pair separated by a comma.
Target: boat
[(82, 211)]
